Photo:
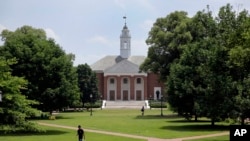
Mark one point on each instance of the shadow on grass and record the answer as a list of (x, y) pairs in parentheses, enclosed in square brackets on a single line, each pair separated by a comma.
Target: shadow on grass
[(196, 128), (170, 116), (190, 121), (64, 117), (47, 133)]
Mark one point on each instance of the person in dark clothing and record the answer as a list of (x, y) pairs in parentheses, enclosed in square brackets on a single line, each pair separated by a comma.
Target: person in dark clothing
[(80, 133), (142, 111)]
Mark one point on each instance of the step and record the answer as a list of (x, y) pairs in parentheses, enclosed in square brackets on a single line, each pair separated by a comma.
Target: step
[(124, 104)]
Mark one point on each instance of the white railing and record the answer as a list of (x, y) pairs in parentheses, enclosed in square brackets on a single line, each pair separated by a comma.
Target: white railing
[(147, 104), (104, 103)]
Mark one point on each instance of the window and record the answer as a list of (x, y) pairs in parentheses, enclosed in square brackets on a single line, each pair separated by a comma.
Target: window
[(138, 80), (125, 81), (125, 45), (112, 81)]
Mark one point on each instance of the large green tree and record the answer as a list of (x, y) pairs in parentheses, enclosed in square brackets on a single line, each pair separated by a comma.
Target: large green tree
[(52, 80), (184, 85), (87, 82), (166, 40), (211, 75), (15, 108), (239, 58)]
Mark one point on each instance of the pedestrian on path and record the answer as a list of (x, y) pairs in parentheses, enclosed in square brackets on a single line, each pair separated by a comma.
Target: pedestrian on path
[(80, 133)]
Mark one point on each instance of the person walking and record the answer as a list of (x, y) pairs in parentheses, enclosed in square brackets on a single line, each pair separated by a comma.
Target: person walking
[(142, 111), (80, 133)]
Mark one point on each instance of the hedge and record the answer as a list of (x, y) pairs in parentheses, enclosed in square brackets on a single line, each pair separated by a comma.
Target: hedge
[(157, 104)]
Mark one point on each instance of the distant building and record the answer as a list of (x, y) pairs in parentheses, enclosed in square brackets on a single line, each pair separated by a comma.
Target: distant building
[(119, 78)]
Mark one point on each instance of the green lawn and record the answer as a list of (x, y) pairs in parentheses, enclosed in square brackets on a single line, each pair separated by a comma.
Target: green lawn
[(219, 138), (131, 122), (127, 121), (57, 134)]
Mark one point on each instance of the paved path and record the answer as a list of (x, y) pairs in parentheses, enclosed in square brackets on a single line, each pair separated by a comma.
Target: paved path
[(135, 136)]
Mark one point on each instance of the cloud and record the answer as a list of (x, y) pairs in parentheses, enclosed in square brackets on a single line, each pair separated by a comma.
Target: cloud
[(147, 25), (120, 3), (145, 4), (2, 27), (139, 47), (99, 39), (51, 34)]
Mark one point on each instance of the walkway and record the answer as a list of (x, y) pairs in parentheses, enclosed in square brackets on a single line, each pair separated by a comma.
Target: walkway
[(134, 136)]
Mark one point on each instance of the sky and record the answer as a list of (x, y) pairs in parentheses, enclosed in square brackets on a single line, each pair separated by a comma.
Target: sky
[(90, 29)]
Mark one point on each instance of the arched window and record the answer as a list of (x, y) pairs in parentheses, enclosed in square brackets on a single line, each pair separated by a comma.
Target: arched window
[(138, 80), (112, 81), (125, 81), (125, 45)]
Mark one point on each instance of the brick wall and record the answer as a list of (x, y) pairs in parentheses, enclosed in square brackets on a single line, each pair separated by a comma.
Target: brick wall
[(150, 81), (153, 81), (100, 80)]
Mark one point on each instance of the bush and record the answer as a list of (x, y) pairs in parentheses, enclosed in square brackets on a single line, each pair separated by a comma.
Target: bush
[(44, 116), (76, 104), (97, 104), (52, 117), (27, 127), (157, 104)]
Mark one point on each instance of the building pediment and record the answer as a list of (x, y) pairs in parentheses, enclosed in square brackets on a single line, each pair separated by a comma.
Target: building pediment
[(123, 66)]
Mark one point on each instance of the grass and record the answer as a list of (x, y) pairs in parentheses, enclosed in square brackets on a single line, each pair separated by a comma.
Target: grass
[(58, 134), (131, 122), (127, 121), (219, 138)]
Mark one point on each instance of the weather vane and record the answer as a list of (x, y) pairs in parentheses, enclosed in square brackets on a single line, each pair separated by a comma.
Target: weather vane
[(124, 17)]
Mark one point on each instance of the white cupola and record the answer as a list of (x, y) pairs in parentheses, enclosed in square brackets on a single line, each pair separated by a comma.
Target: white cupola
[(125, 43)]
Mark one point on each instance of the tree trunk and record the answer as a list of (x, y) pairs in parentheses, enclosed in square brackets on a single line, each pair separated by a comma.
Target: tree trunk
[(242, 120), (195, 118), (212, 122)]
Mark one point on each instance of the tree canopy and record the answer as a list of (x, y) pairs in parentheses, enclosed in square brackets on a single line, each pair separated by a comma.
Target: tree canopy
[(166, 40), (52, 79), (204, 61), (87, 82), (15, 108)]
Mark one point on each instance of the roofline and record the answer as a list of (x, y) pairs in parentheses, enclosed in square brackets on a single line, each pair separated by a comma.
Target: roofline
[(98, 71), (131, 74)]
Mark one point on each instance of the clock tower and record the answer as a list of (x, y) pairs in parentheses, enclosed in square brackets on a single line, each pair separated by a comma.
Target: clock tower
[(125, 42)]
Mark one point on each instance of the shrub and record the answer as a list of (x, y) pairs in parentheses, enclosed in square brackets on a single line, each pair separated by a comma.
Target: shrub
[(52, 117), (97, 104), (44, 116), (157, 104), (27, 127)]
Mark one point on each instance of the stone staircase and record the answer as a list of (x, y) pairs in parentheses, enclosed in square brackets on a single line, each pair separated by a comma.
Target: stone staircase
[(125, 104)]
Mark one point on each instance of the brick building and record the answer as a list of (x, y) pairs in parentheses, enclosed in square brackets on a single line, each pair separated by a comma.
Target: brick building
[(119, 78)]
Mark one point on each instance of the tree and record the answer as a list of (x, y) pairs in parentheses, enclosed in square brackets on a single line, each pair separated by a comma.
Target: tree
[(184, 84), (87, 82), (166, 39), (15, 108), (217, 79), (212, 74), (51, 77), (239, 62)]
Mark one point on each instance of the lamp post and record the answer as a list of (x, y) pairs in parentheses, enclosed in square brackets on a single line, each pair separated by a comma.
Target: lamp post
[(101, 101), (150, 100), (161, 105), (91, 104), (0, 96)]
